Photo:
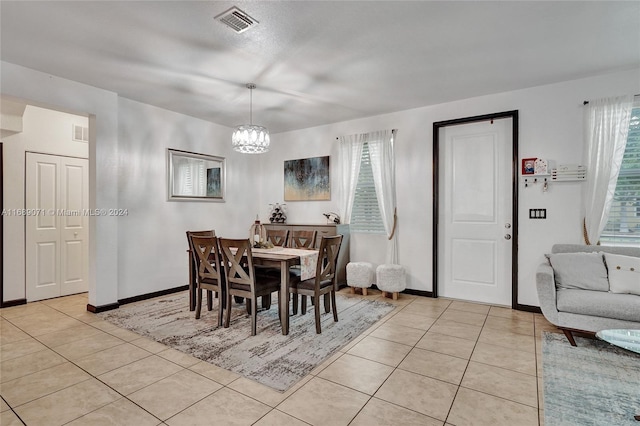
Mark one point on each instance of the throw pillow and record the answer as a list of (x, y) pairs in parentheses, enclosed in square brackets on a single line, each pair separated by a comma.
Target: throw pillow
[(624, 273), (584, 271)]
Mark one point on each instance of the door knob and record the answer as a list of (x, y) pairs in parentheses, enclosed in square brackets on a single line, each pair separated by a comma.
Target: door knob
[(507, 225), (507, 237)]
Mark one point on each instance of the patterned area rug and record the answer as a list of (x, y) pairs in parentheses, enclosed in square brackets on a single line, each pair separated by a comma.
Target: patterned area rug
[(269, 357), (594, 383)]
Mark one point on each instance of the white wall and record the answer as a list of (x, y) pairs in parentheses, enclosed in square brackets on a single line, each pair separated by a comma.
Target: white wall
[(101, 106), (44, 131), (551, 126), (151, 239)]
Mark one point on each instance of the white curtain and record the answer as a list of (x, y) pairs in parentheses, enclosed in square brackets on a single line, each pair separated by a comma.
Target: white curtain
[(350, 154), (383, 168), (607, 128), (384, 177)]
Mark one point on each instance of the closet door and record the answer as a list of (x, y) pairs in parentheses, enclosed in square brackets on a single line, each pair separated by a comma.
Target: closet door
[(56, 221), (74, 229)]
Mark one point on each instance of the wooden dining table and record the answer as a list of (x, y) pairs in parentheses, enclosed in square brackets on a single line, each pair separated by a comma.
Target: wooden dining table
[(277, 257), (284, 258)]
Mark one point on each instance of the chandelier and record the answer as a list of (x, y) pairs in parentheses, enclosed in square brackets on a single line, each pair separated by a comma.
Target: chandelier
[(250, 138)]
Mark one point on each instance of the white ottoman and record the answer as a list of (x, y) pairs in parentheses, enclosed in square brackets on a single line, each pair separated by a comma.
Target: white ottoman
[(391, 280), (359, 275)]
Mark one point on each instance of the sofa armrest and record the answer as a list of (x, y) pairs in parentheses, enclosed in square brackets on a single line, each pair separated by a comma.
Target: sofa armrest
[(546, 286)]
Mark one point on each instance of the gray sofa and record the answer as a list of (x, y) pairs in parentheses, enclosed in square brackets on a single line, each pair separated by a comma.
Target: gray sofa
[(587, 306)]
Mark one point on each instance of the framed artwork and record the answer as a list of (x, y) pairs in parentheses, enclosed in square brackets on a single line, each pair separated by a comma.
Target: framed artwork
[(528, 166), (307, 179), (195, 177), (214, 182)]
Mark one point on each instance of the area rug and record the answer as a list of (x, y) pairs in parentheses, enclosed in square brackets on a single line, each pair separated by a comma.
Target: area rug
[(594, 383), (269, 357)]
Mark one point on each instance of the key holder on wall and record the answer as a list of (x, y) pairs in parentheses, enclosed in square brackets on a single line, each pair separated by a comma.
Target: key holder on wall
[(536, 170)]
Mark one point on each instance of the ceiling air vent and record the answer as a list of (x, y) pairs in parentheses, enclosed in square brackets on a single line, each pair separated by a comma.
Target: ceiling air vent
[(237, 20)]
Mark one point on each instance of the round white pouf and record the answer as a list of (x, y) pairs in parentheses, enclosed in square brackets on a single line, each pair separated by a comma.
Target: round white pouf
[(391, 279), (359, 275)]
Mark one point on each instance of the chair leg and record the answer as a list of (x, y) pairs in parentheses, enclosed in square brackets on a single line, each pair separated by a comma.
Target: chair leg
[(295, 303), (209, 300), (303, 306), (198, 303), (249, 305), (327, 306), (279, 308), (227, 318), (254, 315), (333, 306), (316, 311), (266, 302), (220, 309)]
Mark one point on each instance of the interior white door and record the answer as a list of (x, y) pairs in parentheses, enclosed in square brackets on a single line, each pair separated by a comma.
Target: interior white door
[(474, 228), (56, 239), (74, 227)]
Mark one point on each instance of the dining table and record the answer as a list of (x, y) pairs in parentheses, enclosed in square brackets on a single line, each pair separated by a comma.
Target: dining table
[(282, 258)]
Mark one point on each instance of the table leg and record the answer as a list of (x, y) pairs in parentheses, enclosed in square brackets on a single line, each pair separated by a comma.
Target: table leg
[(284, 297)]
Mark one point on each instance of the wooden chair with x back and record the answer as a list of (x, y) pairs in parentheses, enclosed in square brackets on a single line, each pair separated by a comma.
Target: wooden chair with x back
[(302, 239), (242, 280), (325, 281), (193, 270), (278, 237), (209, 269)]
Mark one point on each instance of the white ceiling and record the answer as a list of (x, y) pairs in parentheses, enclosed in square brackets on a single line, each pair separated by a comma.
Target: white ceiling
[(317, 62)]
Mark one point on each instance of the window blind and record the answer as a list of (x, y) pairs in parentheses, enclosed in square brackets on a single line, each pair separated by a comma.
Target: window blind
[(365, 214), (623, 227)]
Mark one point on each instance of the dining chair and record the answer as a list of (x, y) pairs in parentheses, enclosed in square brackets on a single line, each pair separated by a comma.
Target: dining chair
[(278, 237), (242, 280), (325, 281), (193, 270), (209, 269), (302, 239)]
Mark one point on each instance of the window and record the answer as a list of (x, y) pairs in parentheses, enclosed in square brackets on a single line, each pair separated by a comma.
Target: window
[(365, 215), (623, 227)]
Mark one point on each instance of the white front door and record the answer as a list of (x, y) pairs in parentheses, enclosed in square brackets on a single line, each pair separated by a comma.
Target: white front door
[(474, 229), (57, 202)]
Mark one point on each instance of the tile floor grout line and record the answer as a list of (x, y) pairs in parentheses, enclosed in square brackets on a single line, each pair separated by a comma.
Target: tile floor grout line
[(91, 376), (463, 373), (13, 410)]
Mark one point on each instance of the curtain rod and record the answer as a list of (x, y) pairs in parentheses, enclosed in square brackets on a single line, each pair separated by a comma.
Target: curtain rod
[(587, 102), (393, 130)]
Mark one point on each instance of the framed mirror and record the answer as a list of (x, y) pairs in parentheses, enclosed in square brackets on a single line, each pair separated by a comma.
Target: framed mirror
[(195, 177)]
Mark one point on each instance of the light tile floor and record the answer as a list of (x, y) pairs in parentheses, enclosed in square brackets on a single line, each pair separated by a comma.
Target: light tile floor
[(429, 362)]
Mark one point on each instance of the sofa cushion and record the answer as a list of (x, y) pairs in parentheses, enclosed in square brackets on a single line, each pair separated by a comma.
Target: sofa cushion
[(624, 273), (599, 303), (579, 270)]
